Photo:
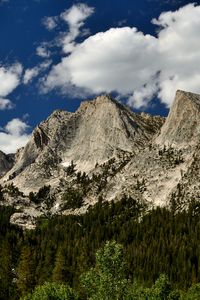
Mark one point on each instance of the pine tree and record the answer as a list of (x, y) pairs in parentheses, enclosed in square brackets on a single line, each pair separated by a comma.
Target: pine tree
[(59, 271), (26, 271)]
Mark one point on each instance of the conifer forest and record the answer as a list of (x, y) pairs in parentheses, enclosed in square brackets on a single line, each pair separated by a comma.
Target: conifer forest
[(144, 255)]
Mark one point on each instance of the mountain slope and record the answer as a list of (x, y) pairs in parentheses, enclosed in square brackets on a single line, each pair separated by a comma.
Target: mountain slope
[(115, 153), (167, 172), (98, 131), (182, 126)]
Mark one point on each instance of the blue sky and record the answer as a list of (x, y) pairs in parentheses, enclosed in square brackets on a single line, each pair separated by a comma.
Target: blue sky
[(56, 53)]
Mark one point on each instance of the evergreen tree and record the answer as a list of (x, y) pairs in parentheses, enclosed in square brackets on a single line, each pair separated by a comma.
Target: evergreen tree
[(7, 285), (26, 271), (59, 271)]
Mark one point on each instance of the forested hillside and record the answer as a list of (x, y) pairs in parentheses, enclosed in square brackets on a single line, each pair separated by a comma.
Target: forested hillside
[(62, 248)]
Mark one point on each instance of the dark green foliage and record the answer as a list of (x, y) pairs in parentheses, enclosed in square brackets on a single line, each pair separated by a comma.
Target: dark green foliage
[(63, 248), (52, 291), (160, 242), (72, 199), (26, 270), (12, 176), (43, 196), (10, 240), (161, 290), (32, 197), (84, 182), (70, 170), (12, 190), (108, 279), (193, 293), (1, 193), (173, 156)]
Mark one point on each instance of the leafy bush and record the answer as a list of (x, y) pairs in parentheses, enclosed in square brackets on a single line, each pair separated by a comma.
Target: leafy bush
[(107, 280), (193, 293), (52, 291)]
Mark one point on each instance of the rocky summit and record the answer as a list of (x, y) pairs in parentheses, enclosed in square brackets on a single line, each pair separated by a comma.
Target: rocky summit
[(104, 151), (98, 131)]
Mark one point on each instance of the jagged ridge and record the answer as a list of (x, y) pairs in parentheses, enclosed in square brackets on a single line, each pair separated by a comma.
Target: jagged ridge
[(99, 130), (122, 152)]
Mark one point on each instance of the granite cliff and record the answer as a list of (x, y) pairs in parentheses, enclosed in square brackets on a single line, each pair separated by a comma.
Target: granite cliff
[(98, 131), (105, 151), (6, 162)]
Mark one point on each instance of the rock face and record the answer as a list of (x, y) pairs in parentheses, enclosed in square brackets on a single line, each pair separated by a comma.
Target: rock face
[(6, 162), (151, 159), (182, 126), (168, 172), (99, 130)]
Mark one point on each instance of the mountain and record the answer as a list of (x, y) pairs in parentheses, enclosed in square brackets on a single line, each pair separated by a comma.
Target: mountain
[(167, 171), (98, 131), (182, 126), (104, 151)]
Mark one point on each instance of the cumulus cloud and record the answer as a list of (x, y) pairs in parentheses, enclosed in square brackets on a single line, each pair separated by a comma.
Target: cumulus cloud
[(43, 51), (10, 78), (13, 136), (6, 104), (30, 74), (50, 22), (178, 46), (133, 64), (102, 62), (74, 17)]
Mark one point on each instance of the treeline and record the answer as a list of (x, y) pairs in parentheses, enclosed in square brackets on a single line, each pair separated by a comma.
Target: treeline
[(108, 280), (62, 248)]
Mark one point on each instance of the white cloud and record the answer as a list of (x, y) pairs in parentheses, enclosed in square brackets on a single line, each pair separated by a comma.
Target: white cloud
[(141, 97), (50, 22), (131, 63), (178, 45), (14, 136), (30, 74), (6, 104), (74, 17), (16, 127), (43, 51), (109, 61), (9, 78)]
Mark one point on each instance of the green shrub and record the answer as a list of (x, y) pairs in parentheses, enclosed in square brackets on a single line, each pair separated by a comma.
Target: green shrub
[(52, 291)]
